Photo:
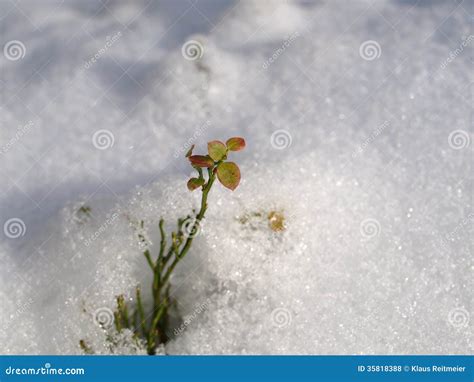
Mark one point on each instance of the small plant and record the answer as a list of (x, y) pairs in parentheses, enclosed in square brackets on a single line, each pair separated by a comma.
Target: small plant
[(83, 214), (84, 210), (152, 326), (274, 219)]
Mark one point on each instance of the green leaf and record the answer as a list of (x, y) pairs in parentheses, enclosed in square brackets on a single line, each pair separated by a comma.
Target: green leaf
[(201, 161), (190, 151), (194, 183), (235, 143), (217, 150), (228, 174)]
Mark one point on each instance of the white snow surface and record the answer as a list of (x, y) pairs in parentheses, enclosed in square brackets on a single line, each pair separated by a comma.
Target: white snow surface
[(368, 160)]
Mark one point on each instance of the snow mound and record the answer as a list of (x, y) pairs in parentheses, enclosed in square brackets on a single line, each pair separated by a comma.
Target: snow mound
[(341, 274)]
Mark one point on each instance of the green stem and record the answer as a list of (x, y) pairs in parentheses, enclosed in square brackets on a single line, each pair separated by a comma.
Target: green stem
[(148, 259), (163, 240), (141, 312), (199, 217), (160, 288)]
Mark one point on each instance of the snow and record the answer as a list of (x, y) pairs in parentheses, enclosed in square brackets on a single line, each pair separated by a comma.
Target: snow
[(358, 121)]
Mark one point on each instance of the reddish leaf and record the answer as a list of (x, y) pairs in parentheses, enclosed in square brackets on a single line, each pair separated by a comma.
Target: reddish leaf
[(228, 174), (201, 161), (235, 144), (194, 183), (190, 151), (217, 150)]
